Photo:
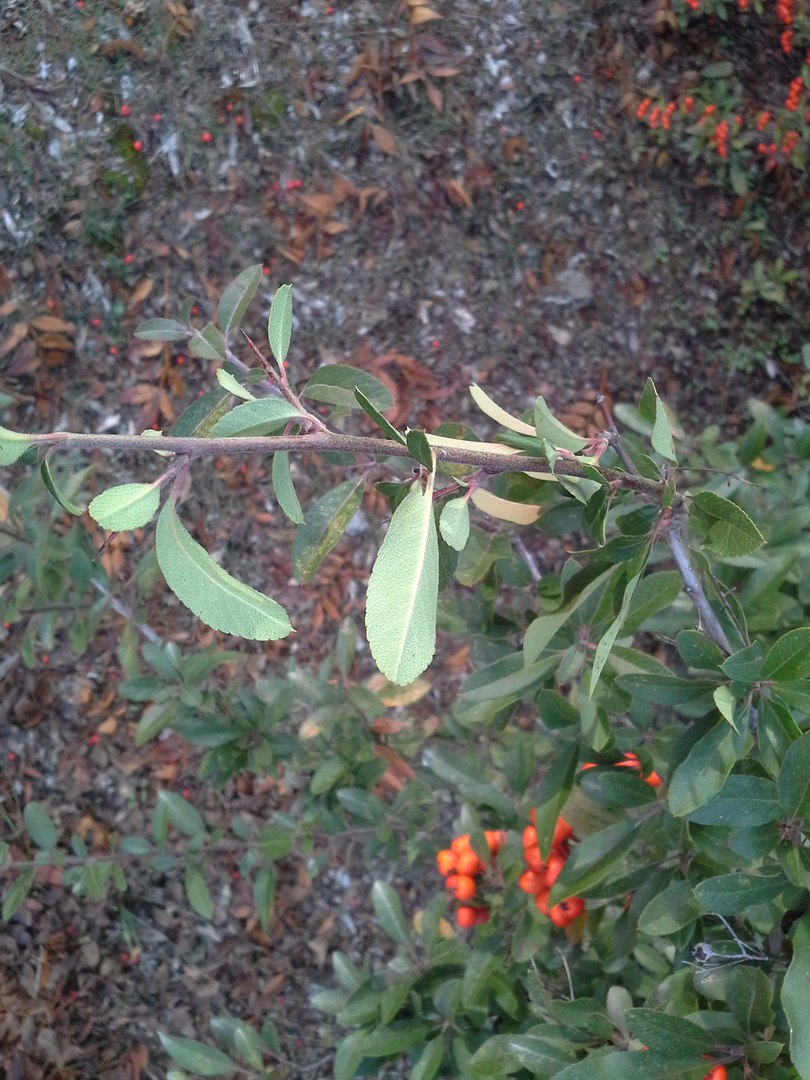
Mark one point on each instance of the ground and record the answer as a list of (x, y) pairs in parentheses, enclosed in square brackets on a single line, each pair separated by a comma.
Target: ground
[(464, 198)]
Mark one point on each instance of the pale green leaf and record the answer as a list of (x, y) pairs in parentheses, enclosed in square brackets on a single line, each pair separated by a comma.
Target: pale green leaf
[(285, 489), (13, 445), (549, 427), (161, 330), (795, 996), (208, 344), (14, 896), (263, 416), (39, 826), (335, 384), (210, 592), (196, 1056), (788, 659), (731, 532), (264, 894), (543, 629), (126, 506), (403, 589), (325, 522), (496, 413), (608, 639), (454, 523), (237, 296), (652, 409), (182, 815), (279, 324), (229, 383)]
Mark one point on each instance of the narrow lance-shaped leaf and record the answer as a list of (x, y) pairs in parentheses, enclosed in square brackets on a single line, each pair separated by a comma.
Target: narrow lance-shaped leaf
[(454, 523), (162, 330), (796, 994), (388, 910), (237, 296), (608, 639), (208, 344), (50, 484), (496, 413), (126, 506), (403, 589), (197, 892), (279, 324), (210, 592), (263, 416), (229, 383), (378, 418), (285, 489), (325, 523), (196, 1056), (652, 409)]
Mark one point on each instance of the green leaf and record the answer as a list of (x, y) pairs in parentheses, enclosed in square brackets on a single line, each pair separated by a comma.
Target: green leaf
[(13, 445), (795, 996), (749, 995), (632, 1065), (279, 324), (327, 774), (63, 501), (742, 802), (721, 70), (729, 894), (403, 589), (215, 597), (429, 1062), (335, 384), (388, 910), (126, 506), (668, 1034), (652, 409), (264, 416), (553, 793), (285, 489), (208, 344), (501, 1055), (665, 689), (161, 330), (348, 1056), (794, 779), (592, 860), (701, 775), (697, 651), (275, 842), (264, 895), (731, 532), (201, 415), (15, 894), (379, 419), (608, 639), (197, 892), (39, 826), (543, 629), (420, 450), (454, 523), (745, 665), (196, 1056), (788, 658), (229, 382), (182, 814), (549, 427), (669, 910), (481, 551), (400, 1036), (237, 296), (324, 525)]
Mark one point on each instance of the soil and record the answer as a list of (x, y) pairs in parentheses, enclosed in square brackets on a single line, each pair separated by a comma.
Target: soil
[(469, 199)]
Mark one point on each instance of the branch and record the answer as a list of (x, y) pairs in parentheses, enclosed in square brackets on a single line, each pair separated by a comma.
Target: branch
[(694, 589), (336, 442)]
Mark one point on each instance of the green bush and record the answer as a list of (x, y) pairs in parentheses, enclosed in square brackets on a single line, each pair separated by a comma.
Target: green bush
[(669, 934)]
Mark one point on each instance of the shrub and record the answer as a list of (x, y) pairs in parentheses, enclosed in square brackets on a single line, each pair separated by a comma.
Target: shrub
[(627, 760)]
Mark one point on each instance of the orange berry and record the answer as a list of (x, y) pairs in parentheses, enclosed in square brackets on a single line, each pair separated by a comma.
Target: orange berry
[(464, 887), (566, 911), (541, 901), (450, 881), (530, 836), (717, 1073), (533, 857), (466, 917), (653, 779), (446, 861), (555, 863), (468, 863), (562, 831), (588, 765), (461, 844), (481, 915), (495, 839), (531, 882)]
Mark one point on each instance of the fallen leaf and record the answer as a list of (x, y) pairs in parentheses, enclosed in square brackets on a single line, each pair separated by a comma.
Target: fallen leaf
[(384, 139), (419, 15), (458, 193), (50, 324), (141, 291), (18, 332), (56, 342), (435, 95)]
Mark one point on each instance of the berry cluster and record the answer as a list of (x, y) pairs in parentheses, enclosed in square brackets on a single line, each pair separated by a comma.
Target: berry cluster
[(541, 874), (630, 761), (460, 866)]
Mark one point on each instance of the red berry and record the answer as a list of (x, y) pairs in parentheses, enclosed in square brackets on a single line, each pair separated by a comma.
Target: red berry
[(137, 146), (125, 110), (207, 137)]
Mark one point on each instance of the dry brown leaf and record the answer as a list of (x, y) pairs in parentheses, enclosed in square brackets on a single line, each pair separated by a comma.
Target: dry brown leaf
[(444, 72), (50, 324), (332, 228), (55, 342), (351, 114), (141, 291), (514, 146), (9, 307), (18, 332), (419, 15), (412, 76), (458, 193), (5, 280), (435, 95), (384, 139), (318, 204), (125, 45)]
